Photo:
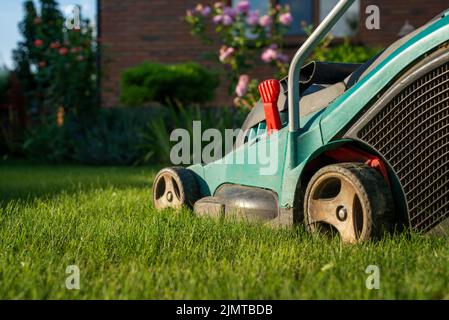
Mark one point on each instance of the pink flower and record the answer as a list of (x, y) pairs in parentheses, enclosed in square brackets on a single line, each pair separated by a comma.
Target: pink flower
[(38, 43), (63, 51), (75, 50), (228, 11), (226, 53), (265, 21), (203, 10), (227, 20), (243, 6), (286, 19), (217, 19), (218, 5), (242, 86), (55, 45), (253, 18), (206, 11), (269, 54)]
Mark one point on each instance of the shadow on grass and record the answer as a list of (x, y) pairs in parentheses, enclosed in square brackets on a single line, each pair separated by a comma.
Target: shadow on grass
[(21, 181)]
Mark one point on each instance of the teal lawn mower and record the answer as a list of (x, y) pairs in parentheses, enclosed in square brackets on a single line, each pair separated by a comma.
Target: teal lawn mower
[(358, 149)]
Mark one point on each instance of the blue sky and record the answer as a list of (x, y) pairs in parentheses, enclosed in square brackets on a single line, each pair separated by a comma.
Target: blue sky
[(11, 13)]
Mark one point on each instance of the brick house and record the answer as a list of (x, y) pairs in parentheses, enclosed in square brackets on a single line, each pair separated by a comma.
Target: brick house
[(134, 31)]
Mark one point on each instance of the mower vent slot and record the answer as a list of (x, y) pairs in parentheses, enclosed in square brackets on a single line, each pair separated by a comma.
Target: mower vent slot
[(412, 133)]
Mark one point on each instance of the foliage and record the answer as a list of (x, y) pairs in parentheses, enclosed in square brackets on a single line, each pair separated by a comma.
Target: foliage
[(102, 220), (56, 65), (121, 136), (112, 137), (46, 143), (4, 84), (180, 83), (246, 39), (345, 52), (155, 137)]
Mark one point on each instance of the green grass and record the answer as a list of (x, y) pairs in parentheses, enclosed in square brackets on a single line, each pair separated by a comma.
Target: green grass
[(101, 220)]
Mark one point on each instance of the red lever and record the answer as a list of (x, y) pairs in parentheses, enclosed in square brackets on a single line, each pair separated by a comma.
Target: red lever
[(270, 90)]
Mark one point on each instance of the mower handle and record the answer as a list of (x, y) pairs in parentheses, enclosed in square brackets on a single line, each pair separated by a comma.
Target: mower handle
[(304, 51)]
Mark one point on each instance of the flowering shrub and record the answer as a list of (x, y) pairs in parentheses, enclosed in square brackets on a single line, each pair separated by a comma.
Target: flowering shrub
[(248, 38), (56, 65)]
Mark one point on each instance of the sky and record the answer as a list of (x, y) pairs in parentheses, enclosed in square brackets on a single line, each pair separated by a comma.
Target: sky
[(11, 13)]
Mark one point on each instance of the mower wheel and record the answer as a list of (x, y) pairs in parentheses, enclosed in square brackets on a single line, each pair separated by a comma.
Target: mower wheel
[(352, 199), (175, 187)]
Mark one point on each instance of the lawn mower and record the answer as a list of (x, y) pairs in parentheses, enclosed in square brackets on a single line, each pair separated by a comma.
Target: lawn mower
[(361, 149)]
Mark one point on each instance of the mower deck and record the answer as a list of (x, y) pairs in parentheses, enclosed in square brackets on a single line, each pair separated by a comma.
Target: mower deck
[(249, 203)]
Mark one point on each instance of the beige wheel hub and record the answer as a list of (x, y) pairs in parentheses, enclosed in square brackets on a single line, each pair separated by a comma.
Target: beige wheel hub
[(334, 205), (167, 192)]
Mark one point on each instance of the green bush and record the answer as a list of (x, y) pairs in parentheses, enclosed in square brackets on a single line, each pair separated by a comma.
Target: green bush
[(345, 52), (46, 143), (113, 139), (181, 83)]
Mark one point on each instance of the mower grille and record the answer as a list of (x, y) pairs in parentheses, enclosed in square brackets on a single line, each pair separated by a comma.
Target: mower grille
[(412, 133)]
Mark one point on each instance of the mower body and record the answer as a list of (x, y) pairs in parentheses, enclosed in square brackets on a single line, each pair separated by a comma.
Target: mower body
[(397, 111)]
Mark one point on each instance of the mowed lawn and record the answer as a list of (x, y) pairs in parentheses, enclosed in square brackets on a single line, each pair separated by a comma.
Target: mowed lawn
[(102, 220)]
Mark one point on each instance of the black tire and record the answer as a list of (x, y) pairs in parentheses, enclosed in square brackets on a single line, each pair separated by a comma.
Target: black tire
[(175, 187), (351, 198)]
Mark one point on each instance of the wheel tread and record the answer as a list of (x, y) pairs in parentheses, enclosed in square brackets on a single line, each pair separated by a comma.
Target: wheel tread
[(189, 189)]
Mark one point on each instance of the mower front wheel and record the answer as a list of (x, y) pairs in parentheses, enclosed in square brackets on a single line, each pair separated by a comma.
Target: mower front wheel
[(175, 187), (352, 199)]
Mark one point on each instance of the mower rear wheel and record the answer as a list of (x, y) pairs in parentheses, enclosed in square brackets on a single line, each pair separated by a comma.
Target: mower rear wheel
[(352, 199), (175, 187)]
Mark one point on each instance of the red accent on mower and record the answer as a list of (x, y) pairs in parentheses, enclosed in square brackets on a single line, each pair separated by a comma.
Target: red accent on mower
[(269, 91), (347, 154)]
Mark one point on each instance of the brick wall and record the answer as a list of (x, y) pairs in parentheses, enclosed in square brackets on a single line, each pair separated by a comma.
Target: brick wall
[(134, 31)]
